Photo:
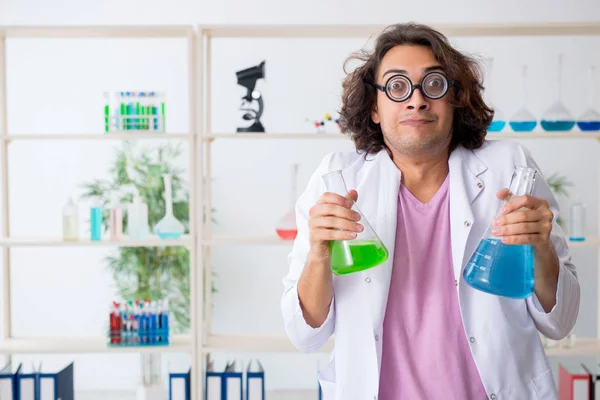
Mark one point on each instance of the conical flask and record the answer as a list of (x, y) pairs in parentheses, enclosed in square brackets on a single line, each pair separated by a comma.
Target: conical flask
[(361, 253), (498, 122), (286, 226), (557, 117), (523, 120), (504, 269), (169, 227), (590, 119)]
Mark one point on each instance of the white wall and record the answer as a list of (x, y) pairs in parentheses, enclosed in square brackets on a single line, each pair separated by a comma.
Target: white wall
[(56, 86)]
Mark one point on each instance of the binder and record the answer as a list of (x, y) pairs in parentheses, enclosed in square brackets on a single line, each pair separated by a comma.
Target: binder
[(574, 381), (225, 385), (255, 382), (8, 382), (179, 386), (27, 387), (56, 385)]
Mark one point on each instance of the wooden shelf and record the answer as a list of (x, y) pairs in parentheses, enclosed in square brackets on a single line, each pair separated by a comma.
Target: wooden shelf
[(152, 241), (254, 344), (583, 347), (574, 134), (179, 344), (98, 136), (219, 240), (349, 31), (113, 31)]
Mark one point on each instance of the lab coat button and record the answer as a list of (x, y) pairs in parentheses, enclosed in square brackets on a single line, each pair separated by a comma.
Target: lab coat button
[(467, 223), (377, 338), (493, 397), (455, 282), (480, 185), (368, 280), (472, 339)]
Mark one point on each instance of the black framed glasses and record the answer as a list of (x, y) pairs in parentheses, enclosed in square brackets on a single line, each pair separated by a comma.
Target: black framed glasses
[(399, 88)]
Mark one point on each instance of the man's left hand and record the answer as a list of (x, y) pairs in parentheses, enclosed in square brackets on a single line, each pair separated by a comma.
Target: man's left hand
[(524, 220)]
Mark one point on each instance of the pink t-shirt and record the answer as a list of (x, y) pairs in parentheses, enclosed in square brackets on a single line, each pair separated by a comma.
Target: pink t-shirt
[(426, 354)]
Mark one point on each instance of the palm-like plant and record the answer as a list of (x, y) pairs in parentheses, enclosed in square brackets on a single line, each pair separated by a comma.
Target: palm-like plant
[(148, 272)]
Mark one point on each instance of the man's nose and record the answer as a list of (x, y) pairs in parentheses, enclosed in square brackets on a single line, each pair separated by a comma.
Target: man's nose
[(417, 101)]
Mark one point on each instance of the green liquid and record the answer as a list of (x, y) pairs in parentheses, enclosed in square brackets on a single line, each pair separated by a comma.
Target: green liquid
[(364, 254)]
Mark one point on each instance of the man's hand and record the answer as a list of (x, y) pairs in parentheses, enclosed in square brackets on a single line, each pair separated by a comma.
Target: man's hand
[(524, 220), (528, 220)]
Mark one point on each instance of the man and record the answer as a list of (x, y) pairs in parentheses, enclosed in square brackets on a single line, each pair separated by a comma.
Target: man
[(429, 184)]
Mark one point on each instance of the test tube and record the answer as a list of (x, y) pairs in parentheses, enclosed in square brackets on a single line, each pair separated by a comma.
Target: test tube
[(577, 222)]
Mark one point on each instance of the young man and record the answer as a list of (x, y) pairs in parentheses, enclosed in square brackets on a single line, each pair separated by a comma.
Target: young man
[(430, 185)]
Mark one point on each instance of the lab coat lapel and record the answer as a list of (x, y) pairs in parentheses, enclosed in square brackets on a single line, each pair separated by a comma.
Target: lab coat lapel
[(465, 186), (383, 179)]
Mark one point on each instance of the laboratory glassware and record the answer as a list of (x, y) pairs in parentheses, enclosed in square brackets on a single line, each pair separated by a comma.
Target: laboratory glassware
[(169, 227), (557, 117), (523, 120), (286, 226)]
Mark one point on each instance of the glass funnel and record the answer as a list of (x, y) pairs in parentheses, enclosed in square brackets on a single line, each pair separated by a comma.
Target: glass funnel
[(498, 123), (590, 119), (504, 269), (286, 226), (169, 227), (523, 120), (366, 250), (557, 117)]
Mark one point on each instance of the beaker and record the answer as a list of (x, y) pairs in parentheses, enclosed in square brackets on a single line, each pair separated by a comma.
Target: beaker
[(358, 254), (169, 227), (498, 122), (504, 269), (286, 226), (590, 119), (523, 120), (557, 117)]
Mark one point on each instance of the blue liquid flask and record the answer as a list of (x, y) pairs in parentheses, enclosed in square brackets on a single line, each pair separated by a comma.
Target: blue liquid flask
[(557, 118), (523, 120), (504, 269)]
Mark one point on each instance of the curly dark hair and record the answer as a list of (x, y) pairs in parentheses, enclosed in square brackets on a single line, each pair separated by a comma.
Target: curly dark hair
[(472, 115)]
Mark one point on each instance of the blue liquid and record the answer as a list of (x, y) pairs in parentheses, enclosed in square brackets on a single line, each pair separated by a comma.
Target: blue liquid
[(557, 125), (168, 235), (589, 125), (96, 223), (523, 126), (496, 126), (501, 269)]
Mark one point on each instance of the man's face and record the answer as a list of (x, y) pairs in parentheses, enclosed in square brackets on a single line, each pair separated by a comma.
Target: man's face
[(418, 126)]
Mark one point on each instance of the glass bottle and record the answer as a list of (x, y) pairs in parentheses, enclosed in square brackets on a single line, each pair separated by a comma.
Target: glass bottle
[(70, 221), (366, 250), (557, 117), (590, 119), (169, 227), (498, 122), (504, 269), (286, 226), (577, 222), (523, 120)]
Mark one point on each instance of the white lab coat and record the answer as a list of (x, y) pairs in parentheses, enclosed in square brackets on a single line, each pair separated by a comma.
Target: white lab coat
[(502, 332)]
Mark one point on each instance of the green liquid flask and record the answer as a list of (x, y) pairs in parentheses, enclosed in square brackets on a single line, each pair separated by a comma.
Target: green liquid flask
[(366, 250)]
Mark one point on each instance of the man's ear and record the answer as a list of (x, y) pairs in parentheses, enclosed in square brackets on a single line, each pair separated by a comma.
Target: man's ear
[(375, 115)]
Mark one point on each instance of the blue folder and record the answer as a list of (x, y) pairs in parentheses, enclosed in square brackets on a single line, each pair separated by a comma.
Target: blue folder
[(179, 386), (8, 382), (255, 382)]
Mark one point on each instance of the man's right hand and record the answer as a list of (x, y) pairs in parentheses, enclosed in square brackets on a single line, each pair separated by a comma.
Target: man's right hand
[(332, 219)]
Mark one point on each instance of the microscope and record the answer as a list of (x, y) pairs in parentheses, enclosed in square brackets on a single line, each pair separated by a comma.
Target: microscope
[(247, 78)]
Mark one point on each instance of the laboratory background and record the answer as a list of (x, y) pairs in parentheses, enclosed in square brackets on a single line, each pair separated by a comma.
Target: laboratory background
[(151, 153)]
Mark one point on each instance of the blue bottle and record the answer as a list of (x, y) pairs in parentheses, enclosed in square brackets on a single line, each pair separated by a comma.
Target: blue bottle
[(504, 269), (96, 221)]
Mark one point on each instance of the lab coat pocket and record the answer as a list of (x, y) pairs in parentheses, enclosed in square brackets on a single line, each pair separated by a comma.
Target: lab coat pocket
[(327, 380), (544, 387)]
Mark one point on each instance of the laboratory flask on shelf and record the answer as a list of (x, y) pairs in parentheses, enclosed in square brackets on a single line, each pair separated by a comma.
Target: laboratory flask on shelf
[(557, 117), (358, 254), (523, 120), (498, 122), (169, 227), (504, 269), (590, 119), (286, 226)]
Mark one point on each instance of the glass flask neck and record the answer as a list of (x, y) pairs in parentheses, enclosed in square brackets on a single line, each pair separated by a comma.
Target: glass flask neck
[(522, 182), (334, 182), (168, 194)]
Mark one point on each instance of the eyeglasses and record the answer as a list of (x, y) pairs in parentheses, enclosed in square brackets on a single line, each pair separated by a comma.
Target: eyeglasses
[(399, 88)]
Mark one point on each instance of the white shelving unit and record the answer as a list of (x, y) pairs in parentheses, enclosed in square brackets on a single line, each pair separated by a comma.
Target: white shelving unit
[(200, 138)]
